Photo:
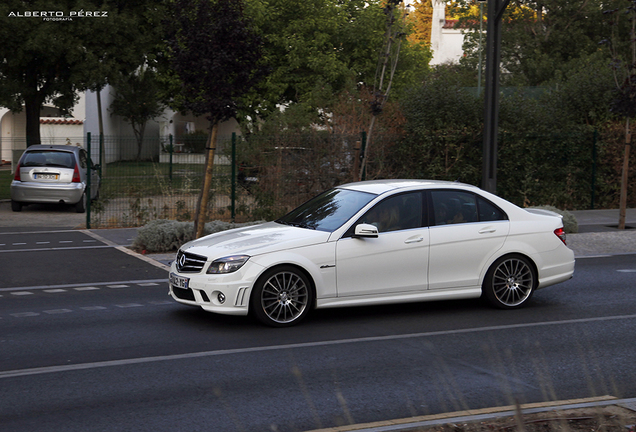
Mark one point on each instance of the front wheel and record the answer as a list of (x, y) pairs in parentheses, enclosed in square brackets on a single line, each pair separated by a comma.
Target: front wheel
[(282, 297), (510, 282)]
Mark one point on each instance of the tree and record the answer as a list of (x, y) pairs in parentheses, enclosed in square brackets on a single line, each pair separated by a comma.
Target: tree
[(48, 60), (386, 67), (622, 45), (136, 99), (215, 55), (539, 37)]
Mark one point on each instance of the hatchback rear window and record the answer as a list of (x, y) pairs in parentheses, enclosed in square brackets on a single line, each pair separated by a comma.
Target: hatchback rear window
[(49, 159)]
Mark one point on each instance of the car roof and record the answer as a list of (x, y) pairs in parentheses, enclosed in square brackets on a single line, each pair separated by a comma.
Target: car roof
[(68, 148), (378, 187)]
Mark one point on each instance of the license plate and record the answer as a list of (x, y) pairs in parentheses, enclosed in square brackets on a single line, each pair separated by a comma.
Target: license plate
[(45, 176), (179, 281)]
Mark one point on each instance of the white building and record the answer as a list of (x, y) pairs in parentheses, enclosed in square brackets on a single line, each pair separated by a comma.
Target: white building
[(54, 129), (446, 41), (119, 141)]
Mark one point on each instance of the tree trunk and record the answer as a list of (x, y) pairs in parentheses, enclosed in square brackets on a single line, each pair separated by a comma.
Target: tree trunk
[(204, 196), (32, 108), (624, 178)]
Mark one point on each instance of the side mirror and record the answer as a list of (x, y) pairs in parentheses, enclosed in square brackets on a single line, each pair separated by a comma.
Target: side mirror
[(366, 231)]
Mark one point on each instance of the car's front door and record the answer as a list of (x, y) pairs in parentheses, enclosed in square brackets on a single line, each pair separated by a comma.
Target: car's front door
[(396, 260)]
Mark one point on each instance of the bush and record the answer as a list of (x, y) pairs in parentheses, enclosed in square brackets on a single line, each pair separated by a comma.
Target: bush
[(167, 235), (570, 224)]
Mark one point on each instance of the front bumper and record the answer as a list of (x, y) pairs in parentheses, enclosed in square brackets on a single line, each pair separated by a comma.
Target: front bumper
[(208, 291)]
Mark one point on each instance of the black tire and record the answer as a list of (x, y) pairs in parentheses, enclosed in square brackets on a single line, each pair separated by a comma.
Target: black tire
[(16, 206), (80, 206), (510, 282), (281, 297)]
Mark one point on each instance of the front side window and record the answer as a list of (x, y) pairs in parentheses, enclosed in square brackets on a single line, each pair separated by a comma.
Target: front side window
[(396, 213)]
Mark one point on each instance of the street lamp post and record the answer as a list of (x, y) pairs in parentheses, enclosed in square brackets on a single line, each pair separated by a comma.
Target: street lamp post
[(496, 9)]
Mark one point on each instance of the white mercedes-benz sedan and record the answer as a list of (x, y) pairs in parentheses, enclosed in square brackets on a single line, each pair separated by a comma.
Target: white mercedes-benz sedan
[(376, 242)]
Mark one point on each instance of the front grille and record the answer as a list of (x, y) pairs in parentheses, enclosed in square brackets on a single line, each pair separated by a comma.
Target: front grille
[(189, 262)]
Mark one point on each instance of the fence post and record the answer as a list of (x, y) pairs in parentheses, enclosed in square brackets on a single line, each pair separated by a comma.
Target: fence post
[(170, 148), (593, 168), (88, 180), (233, 180)]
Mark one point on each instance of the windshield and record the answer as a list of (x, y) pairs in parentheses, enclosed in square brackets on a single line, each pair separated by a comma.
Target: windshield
[(328, 211)]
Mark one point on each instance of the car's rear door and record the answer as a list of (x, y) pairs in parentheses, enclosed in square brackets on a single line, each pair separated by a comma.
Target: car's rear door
[(466, 231)]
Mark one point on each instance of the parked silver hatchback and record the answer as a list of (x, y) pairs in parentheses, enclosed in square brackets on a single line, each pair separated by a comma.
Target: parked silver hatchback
[(54, 174)]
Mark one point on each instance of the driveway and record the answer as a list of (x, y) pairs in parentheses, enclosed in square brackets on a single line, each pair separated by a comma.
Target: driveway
[(34, 216)]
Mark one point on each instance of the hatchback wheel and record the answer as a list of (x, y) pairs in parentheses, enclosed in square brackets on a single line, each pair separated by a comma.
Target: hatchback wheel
[(510, 282), (16, 206), (80, 207), (282, 297)]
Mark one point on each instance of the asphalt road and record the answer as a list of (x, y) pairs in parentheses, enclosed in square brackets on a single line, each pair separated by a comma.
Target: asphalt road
[(102, 348)]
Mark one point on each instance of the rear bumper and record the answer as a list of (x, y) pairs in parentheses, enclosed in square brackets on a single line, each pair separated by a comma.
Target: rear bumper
[(31, 192)]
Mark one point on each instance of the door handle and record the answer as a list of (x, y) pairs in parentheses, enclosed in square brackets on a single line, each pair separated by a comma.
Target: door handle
[(487, 230), (414, 240)]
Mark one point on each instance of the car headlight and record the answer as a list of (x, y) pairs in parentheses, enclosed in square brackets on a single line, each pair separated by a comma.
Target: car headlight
[(228, 264)]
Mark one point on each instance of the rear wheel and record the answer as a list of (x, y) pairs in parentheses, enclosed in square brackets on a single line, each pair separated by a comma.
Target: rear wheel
[(16, 206), (510, 282), (282, 297), (80, 207)]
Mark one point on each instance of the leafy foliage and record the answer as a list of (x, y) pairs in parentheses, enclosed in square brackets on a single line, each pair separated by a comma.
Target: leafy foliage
[(136, 100), (215, 55), (51, 61)]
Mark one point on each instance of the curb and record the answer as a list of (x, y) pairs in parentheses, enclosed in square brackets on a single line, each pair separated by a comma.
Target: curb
[(469, 416)]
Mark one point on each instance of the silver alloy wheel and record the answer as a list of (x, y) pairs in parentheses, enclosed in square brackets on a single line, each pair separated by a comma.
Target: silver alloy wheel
[(284, 297), (512, 282)]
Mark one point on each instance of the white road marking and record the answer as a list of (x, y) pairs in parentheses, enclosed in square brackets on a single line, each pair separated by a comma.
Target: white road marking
[(77, 285), (54, 291), (129, 305), (226, 352), (25, 314), (93, 308), (627, 271), (22, 293), (88, 288), (118, 286), (57, 311)]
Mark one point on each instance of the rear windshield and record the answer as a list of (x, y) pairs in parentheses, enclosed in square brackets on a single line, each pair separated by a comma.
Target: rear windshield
[(48, 158)]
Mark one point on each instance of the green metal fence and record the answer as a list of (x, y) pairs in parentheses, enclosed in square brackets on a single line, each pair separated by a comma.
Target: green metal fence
[(262, 178)]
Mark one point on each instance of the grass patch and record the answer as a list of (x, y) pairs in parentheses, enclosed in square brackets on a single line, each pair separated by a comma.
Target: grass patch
[(5, 184)]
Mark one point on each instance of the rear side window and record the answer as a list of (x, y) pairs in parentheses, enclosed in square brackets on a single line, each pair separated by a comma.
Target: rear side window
[(489, 212), (48, 159), (455, 207)]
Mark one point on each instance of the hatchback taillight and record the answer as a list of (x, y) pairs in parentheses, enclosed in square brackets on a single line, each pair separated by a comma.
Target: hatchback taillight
[(560, 233), (16, 177), (76, 175)]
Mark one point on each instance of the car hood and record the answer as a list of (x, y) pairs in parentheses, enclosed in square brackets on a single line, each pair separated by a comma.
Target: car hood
[(255, 240)]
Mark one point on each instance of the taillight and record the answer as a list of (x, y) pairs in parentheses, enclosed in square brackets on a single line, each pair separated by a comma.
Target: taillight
[(76, 175), (560, 233), (16, 177)]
